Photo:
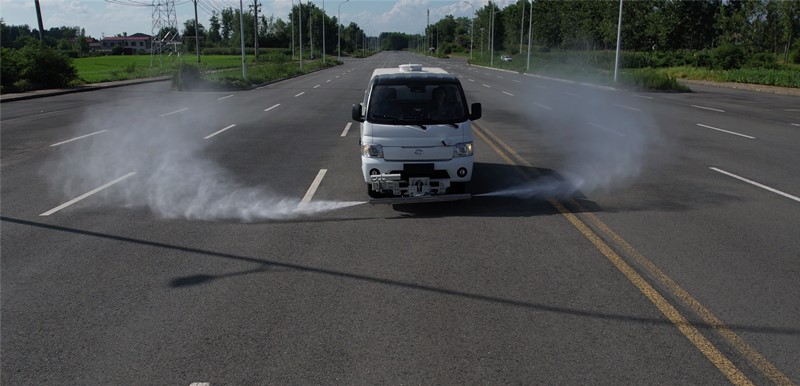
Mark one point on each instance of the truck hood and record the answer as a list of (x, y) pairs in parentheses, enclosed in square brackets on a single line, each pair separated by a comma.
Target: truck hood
[(415, 135)]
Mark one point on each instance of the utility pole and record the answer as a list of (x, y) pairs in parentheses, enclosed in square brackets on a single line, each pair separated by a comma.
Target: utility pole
[(300, 29), (619, 34), (241, 33), (521, 27), (530, 36), (196, 34), (39, 17)]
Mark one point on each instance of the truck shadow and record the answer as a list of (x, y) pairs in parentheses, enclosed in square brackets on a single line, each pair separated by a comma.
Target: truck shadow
[(508, 190)]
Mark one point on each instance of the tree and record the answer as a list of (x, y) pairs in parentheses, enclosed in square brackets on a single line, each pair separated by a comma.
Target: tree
[(214, 35), (227, 25)]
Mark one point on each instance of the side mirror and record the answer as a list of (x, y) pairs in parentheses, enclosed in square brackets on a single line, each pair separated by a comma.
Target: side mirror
[(476, 112), (357, 115)]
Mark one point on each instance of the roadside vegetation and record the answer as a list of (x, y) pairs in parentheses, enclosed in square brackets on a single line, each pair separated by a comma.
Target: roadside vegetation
[(662, 41)]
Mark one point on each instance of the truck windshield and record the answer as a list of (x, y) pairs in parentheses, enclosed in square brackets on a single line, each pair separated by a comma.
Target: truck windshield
[(416, 103)]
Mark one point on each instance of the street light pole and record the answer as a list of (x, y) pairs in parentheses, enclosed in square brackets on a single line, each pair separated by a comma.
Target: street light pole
[(241, 33), (196, 34), (292, 23), (323, 31), (530, 35), (339, 33), (619, 33), (300, 28), (472, 30), (491, 37)]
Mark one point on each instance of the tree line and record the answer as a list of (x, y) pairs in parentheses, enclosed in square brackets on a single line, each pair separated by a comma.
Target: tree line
[(755, 26)]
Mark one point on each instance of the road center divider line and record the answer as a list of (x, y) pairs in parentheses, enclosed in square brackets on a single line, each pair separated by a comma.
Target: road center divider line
[(85, 195), (704, 345), (694, 336), (766, 367), (270, 108), (314, 186)]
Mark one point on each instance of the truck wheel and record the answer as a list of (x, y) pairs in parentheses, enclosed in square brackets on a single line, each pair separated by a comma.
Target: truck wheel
[(373, 193)]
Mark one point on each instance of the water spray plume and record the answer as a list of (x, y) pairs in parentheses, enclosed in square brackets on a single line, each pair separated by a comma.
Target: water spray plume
[(174, 179)]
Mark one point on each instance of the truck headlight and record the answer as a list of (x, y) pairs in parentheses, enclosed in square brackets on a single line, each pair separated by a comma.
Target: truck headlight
[(462, 149), (372, 151)]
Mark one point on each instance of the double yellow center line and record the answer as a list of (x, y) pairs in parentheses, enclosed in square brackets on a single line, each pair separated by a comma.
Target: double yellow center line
[(691, 332)]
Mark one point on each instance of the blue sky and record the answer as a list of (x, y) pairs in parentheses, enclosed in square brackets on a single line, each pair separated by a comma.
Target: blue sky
[(100, 17)]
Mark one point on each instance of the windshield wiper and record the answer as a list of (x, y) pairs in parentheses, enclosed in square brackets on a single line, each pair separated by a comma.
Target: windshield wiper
[(400, 121)]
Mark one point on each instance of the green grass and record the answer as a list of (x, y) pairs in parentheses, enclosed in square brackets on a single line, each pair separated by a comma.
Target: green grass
[(586, 70), (191, 77), (111, 68)]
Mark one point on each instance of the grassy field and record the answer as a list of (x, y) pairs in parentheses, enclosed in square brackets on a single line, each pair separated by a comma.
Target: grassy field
[(645, 78), (109, 68)]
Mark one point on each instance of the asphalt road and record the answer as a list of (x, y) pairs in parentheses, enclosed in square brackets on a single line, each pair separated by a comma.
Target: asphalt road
[(158, 237)]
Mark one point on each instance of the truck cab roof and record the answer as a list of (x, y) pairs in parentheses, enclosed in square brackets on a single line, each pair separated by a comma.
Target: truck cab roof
[(411, 72)]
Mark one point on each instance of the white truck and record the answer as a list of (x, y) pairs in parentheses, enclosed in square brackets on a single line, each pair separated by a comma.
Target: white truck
[(416, 135)]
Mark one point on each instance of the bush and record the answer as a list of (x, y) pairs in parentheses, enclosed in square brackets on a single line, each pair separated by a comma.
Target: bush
[(10, 67), (117, 50), (763, 60), (650, 79), (186, 76), (45, 67), (728, 57), (794, 57)]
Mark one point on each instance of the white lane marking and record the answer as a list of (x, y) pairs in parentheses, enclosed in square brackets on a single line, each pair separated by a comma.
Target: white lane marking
[(485, 85), (175, 112), (77, 138), (200, 384), (225, 97), (268, 109), (725, 131), (643, 96), (337, 76), (795, 124), (627, 107), (508, 93), (316, 86), (542, 106), (471, 80), (313, 188), (516, 81), (346, 129), (762, 186), (606, 129), (328, 81), (708, 108), (211, 135), (87, 194), (299, 94)]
